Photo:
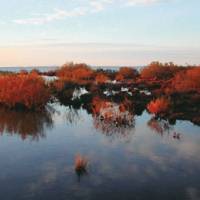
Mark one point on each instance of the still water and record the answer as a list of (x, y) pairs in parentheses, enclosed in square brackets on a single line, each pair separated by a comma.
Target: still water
[(142, 160)]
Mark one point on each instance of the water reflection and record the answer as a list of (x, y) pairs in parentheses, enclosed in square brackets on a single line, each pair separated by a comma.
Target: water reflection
[(26, 124), (113, 119), (162, 127), (159, 126), (72, 115), (133, 169)]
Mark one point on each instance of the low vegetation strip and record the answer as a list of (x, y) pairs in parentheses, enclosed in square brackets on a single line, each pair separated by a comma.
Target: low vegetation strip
[(165, 90)]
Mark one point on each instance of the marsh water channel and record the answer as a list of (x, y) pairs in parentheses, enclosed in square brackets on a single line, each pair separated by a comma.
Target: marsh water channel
[(129, 156)]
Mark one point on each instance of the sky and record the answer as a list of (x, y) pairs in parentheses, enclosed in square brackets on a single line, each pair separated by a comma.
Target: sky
[(99, 32)]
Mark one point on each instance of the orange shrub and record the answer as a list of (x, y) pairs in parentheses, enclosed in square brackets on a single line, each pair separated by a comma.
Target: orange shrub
[(75, 72), (160, 105), (157, 70), (101, 78), (119, 77), (188, 80), (34, 72), (58, 85), (29, 91), (80, 163), (126, 73)]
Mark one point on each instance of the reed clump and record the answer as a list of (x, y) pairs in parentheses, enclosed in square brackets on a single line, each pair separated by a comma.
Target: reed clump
[(80, 163)]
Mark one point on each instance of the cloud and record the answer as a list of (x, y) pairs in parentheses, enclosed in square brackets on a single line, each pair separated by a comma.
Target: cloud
[(91, 7), (100, 5), (142, 2), (58, 14)]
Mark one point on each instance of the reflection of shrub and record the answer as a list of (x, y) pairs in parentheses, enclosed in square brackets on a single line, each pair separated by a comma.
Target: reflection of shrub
[(159, 126), (113, 119), (160, 105), (26, 124), (98, 104), (27, 91)]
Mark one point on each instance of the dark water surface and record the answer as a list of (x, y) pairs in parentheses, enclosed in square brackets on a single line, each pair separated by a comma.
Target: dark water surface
[(141, 161)]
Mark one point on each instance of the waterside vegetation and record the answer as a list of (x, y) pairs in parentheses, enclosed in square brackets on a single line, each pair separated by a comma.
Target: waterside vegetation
[(166, 90)]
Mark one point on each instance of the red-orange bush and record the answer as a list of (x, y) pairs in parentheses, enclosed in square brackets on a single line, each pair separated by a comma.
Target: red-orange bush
[(35, 72), (75, 72), (119, 77), (101, 78), (160, 105), (58, 85), (157, 70), (29, 91), (125, 73), (188, 80), (80, 163)]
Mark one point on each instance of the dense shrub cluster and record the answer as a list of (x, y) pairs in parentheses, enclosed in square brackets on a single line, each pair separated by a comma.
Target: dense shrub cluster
[(187, 80), (159, 71), (126, 73), (126, 86), (159, 105), (75, 72), (101, 78), (27, 91), (80, 72)]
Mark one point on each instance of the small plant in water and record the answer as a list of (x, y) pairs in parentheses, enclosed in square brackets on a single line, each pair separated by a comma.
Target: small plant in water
[(80, 165)]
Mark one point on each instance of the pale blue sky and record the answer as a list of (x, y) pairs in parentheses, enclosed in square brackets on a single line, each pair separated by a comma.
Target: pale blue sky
[(99, 32)]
